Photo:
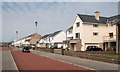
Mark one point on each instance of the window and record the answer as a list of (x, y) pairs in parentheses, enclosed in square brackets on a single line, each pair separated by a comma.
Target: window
[(70, 38), (52, 38), (111, 35), (70, 31), (95, 33), (77, 24), (95, 25), (77, 35), (49, 39)]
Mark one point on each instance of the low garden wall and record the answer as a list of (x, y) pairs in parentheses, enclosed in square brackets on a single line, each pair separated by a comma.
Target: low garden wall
[(98, 56), (46, 50)]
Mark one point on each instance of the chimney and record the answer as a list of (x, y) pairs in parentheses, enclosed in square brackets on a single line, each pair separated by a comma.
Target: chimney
[(97, 15)]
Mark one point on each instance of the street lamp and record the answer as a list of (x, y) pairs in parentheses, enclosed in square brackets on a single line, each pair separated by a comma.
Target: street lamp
[(36, 25), (16, 35)]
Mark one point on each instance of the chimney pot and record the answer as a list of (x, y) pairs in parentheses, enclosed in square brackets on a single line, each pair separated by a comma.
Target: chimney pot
[(97, 15)]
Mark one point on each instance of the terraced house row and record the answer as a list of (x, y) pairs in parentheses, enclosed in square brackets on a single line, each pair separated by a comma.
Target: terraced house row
[(86, 30)]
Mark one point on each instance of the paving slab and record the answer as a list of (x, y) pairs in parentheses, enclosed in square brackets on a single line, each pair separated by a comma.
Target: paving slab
[(8, 61), (90, 64)]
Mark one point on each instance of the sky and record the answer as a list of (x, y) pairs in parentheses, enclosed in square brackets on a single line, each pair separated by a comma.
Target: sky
[(51, 16)]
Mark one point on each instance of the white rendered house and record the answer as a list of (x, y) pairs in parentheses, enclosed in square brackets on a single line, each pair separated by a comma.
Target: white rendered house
[(54, 39), (90, 30)]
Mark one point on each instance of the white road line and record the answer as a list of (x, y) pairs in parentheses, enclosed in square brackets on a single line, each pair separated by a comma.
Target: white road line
[(13, 61), (70, 63), (66, 62)]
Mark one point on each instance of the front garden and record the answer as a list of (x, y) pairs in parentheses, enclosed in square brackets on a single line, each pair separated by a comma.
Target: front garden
[(104, 56)]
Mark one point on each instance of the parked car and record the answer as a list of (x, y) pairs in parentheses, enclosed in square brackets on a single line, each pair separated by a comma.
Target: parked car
[(93, 48), (26, 49)]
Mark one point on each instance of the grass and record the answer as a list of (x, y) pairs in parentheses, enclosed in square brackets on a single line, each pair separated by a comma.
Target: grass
[(104, 53)]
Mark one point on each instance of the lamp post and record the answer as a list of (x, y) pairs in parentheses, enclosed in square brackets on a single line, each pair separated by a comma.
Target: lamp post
[(36, 25), (118, 37), (16, 35)]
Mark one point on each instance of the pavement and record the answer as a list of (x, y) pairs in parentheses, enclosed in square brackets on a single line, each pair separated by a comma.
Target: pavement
[(8, 63), (85, 63), (38, 60)]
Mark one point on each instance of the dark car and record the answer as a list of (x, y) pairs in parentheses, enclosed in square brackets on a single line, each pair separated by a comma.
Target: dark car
[(93, 48), (26, 49)]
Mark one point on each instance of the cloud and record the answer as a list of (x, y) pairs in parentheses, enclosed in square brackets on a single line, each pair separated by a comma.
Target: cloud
[(60, 0), (51, 16)]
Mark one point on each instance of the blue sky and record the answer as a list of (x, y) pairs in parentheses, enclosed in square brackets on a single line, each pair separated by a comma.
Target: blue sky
[(51, 16)]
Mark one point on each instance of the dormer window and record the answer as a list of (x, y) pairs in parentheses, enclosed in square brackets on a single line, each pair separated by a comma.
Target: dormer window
[(77, 24), (95, 25)]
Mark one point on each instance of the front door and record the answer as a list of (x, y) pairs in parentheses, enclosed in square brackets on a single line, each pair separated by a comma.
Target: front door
[(72, 47)]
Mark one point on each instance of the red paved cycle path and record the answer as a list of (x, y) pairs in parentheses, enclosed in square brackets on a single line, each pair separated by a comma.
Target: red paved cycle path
[(29, 61), (5, 48)]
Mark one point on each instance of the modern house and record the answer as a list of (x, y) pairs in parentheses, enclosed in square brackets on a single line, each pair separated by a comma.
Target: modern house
[(53, 39), (28, 40), (90, 30), (44, 41), (69, 33), (69, 36), (109, 38)]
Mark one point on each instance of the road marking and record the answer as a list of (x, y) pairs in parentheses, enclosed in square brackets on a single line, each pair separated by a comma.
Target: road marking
[(13, 61), (71, 63), (64, 61)]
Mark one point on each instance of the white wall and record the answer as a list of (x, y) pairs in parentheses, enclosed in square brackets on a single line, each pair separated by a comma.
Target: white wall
[(69, 34), (86, 32), (60, 37), (44, 40), (79, 29)]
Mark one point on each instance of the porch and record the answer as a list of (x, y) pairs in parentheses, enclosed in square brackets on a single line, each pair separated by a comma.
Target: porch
[(109, 43), (73, 44)]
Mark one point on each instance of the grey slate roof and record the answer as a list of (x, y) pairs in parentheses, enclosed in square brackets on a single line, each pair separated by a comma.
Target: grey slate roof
[(70, 28), (45, 36), (91, 19), (118, 22), (27, 36), (114, 17), (55, 33)]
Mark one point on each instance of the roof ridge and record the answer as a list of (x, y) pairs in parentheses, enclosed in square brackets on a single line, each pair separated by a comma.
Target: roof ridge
[(91, 15)]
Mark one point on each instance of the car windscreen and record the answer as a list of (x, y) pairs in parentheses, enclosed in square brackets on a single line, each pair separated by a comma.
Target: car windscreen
[(26, 48)]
